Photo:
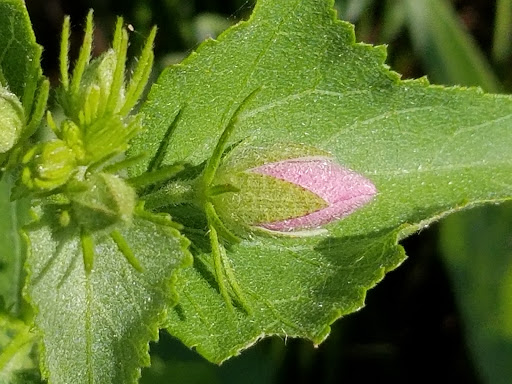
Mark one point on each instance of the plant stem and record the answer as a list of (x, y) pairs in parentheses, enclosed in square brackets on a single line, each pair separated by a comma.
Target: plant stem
[(175, 193)]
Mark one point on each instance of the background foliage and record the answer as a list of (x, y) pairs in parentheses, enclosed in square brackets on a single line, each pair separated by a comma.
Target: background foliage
[(447, 310)]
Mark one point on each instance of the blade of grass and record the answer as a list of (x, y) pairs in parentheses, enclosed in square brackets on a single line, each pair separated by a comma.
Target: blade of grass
[(477, 251), (502, 44), (352, 10), (393, 21), (447, 50)]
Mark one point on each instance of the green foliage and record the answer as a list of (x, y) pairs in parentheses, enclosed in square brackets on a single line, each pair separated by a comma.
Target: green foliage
[(105, 260), (473, 244), (96, 326), (12, 249), (423, 147), (20, 54), (502, 45)]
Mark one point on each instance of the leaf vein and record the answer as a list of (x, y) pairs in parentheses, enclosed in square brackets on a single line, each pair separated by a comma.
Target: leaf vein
[(372, 120)]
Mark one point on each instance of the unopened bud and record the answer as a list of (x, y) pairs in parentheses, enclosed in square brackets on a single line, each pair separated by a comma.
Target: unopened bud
[(287, 189), (101, 201), (96, 84), (48, 166)]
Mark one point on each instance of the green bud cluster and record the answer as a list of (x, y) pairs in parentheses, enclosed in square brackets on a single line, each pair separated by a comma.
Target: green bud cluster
[(96, 100), (76, 168)]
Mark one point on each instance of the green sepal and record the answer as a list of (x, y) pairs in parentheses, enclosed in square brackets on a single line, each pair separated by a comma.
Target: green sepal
[(263, 199), (107, 136)]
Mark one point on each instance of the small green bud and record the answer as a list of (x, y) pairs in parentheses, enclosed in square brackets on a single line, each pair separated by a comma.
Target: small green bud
[(48, 166), (106, 136), (12, 120), (96, 85), (101, 201)]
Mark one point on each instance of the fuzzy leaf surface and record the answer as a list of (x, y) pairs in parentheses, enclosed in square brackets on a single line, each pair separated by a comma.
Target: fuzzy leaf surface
[(96, 328), (429, 151)]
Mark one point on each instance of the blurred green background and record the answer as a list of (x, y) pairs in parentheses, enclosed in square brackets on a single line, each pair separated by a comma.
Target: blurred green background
[(445, 315)]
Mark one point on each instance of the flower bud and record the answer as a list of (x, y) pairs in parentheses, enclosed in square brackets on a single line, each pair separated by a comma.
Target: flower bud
[(11, 120), (96, 84), (48, 166), (101, 201), (287, 189)]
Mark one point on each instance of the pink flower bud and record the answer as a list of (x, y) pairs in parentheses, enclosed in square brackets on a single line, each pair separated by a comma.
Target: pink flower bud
[(342, 189), (288, 189)]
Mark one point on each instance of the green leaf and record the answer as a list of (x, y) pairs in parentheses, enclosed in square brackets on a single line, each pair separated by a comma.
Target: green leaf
[(429, 151), (295, 290), (12, 249), (478, 253), (96, 327), (19, 53), (450, 54)]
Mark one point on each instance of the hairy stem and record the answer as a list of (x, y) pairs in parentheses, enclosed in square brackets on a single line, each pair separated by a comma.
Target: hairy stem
[(174, 193)]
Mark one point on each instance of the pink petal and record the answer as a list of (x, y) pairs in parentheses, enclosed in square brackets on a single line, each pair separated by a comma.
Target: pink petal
[(343, 189)]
